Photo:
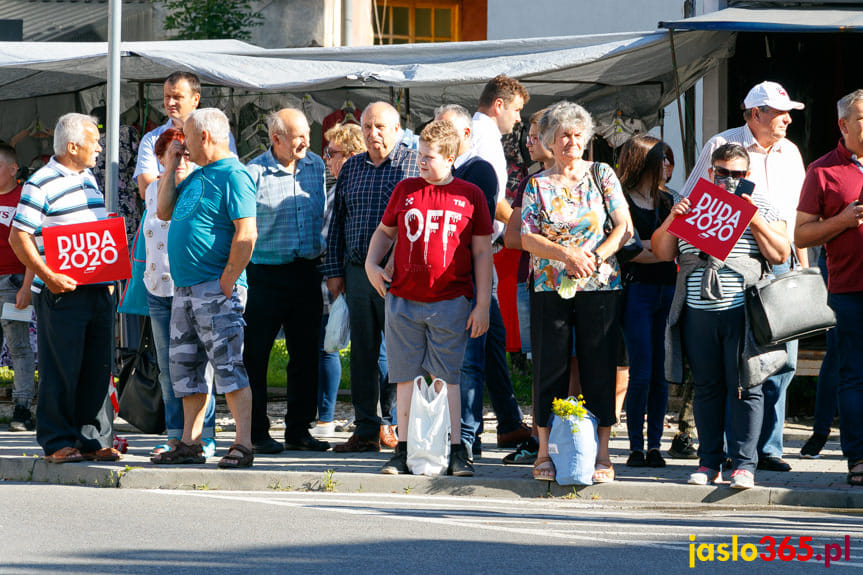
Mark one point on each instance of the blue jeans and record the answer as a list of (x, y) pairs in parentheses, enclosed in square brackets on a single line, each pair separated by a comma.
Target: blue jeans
[(17, 334), (329, 376), (522, 303), (160, 319), (827, 390), (775, 386), (485, 362), (849, 328), (714, 341), (647, 307)]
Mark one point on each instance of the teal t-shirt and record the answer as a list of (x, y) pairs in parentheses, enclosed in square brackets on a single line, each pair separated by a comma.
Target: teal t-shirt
[(202, 225)]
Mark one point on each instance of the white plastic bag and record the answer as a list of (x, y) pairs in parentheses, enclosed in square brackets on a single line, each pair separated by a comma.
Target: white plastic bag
[(338, 334), (428, 429)]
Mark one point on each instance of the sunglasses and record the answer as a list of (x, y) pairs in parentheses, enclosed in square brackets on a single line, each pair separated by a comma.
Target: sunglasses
[(724, 173)]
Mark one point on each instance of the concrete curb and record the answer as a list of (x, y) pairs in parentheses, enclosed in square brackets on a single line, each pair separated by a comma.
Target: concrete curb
[(118, 475)]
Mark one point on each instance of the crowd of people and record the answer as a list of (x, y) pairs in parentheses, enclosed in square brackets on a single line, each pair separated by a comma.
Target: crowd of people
[(234, 255)]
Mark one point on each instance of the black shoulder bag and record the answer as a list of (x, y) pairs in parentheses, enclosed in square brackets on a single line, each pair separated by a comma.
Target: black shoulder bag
[(138, 388)]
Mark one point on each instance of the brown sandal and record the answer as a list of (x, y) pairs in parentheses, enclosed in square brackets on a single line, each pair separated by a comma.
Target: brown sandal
[(182, 454), (234, 461), (64, 455), (543, 469)]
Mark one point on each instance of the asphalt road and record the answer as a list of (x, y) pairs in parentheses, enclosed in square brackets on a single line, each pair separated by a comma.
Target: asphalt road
[(71, 530)]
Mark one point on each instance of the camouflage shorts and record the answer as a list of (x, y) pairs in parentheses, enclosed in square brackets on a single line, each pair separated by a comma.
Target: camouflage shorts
[(207, 326)]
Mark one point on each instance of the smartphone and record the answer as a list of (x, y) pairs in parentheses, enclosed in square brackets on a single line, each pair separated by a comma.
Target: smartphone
[(744, 187)]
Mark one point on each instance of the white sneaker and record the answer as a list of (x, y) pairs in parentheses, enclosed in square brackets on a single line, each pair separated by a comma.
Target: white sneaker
[(742, 479), (327, 429), (704, 475)]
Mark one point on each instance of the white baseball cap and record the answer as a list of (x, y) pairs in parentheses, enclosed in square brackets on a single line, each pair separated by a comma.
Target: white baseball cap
[(770, 94)]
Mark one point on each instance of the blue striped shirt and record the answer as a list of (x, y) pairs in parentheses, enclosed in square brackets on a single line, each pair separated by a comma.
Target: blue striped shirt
[(290, 209), (56, 196), (362, 193)]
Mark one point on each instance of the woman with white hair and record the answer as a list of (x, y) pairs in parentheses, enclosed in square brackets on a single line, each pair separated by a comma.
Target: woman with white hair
[(576, 278)]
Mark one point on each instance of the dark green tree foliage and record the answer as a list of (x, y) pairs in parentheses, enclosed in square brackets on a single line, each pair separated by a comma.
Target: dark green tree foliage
[(211, 19)]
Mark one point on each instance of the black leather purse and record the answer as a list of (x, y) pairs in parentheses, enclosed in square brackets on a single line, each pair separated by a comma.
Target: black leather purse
[(138, 388), (633, 246), (788, 307)]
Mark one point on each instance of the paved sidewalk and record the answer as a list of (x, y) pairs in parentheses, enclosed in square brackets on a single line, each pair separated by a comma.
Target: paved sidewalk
[(816, 483)]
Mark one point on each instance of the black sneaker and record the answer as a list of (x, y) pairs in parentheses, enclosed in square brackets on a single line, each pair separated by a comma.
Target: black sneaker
[(22, 419), (524, 454), (654, 458), (459, 465), (636, 459), (398, 463), (682, 448), (813, 446)]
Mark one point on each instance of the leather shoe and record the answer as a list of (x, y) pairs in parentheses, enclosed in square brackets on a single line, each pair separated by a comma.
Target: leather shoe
[(305, 443), (357, 444), (104, 454), (388, 436), (513, 438), (268, 446), (773, 464)]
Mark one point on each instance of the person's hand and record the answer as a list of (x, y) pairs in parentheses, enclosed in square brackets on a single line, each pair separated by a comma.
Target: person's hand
[(336, 286), (852, 215), (175, 151), (59, 283), (227, 285), (379, 278), (682, 207), (477, 321), (579, 263), (23, 297)]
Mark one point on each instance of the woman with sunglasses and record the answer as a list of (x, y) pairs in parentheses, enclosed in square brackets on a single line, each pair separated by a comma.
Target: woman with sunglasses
[(708, 316)]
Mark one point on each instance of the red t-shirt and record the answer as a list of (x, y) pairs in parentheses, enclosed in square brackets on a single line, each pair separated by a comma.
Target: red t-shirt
[(432, 259), (9, 262), (832, 182)]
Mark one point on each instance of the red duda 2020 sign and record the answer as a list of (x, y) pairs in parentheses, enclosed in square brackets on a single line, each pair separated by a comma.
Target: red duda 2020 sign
[(715, 221), (91, 252)]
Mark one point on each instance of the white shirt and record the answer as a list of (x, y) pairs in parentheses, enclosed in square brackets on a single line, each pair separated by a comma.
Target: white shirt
[(157, 272), (148, 163), (778, 173), (485, 143)]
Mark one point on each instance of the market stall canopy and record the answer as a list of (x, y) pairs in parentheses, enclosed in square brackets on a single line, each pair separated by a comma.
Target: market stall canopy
[(624, 75), (790, 19)]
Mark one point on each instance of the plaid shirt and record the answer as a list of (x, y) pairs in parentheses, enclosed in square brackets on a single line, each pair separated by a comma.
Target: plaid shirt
[(362, 193), (290, 208)]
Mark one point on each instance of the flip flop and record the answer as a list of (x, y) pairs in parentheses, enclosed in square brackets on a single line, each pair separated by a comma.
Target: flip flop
[(543, 469), (603, 473)]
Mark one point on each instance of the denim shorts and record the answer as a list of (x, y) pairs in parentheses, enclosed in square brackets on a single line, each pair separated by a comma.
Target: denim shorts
[(426, 338), (207, 326)]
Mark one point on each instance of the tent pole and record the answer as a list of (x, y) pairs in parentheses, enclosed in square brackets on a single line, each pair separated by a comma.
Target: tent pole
[(687, 163), (112, 138)]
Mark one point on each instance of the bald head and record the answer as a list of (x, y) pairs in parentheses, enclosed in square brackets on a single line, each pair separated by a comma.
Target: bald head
[(289, 136), (380, 123), (459, 117)]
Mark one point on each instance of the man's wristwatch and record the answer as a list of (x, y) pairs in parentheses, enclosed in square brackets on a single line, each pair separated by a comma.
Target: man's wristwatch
[(598, 259)]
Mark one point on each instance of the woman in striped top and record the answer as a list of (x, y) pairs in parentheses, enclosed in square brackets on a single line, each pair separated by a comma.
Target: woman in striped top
[(709, 311)]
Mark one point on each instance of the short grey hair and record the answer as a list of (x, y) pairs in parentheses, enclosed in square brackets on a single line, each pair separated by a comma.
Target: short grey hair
[(844, 105), (70, 130), (275, 123), (460, 112), (214, 122), (564, 116)]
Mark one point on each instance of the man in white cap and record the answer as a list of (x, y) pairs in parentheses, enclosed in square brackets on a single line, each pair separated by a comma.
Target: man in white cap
[(777, 170)]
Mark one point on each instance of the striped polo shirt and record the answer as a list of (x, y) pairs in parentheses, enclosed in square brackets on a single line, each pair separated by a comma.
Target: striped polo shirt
[(55, 196)]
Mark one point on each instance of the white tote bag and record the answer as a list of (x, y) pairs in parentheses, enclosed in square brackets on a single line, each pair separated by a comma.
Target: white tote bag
[(428, 429), (338, 333)]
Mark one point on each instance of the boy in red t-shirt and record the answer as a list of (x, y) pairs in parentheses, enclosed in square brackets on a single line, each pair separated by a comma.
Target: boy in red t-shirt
[(443, 247), (15, 281)]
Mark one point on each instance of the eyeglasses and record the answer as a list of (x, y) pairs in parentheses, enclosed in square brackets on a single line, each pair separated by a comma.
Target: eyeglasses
[(531, 140), (330, 153), (725, 173)]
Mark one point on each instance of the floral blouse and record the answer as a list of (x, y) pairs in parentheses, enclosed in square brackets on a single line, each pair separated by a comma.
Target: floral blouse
[(572, 217)]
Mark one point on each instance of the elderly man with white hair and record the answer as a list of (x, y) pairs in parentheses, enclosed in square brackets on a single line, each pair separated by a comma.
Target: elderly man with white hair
[(284, 281), (210, 242), (75, 321)]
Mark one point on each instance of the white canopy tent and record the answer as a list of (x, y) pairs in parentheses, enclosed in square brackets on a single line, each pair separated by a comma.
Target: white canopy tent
[(624, 77)]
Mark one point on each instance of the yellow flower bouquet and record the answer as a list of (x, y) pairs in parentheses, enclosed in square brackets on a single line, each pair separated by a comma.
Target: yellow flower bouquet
[(571, 409)]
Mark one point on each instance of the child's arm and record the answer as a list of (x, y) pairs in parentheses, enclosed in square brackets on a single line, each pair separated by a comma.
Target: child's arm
[(381, 241), (480, 247)]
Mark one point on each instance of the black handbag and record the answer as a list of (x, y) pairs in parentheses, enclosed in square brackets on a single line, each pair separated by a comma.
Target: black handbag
[(788, 307), (138, 389), (632, 247)]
